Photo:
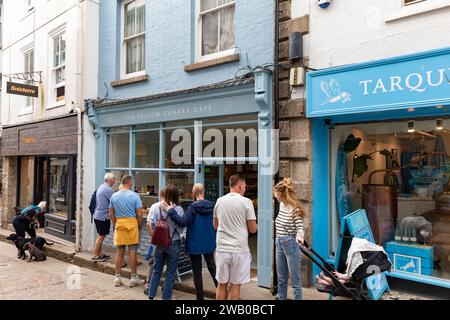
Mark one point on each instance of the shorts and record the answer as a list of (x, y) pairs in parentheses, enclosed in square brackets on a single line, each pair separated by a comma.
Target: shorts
[(103, 227), (233, 267)]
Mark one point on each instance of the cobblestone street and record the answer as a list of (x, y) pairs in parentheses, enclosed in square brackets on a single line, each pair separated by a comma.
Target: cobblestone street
[(53, 279)]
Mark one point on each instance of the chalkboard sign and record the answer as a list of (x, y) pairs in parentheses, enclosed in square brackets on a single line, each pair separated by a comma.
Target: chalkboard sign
[(357, 225), (184, 262)]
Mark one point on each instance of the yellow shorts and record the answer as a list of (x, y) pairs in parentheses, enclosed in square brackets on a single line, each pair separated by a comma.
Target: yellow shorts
[(126, 232)]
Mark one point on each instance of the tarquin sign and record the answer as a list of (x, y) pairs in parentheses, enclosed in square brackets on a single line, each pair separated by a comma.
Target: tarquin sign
[(412, 81), (22, 89)]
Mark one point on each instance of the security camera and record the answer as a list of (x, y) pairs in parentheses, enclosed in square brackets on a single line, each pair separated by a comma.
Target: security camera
[(324, 3)]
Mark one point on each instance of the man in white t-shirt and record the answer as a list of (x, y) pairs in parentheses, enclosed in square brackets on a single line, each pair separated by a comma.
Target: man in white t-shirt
[(234, 218)]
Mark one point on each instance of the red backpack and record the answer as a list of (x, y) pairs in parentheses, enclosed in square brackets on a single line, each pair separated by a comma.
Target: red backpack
[(161, 233)]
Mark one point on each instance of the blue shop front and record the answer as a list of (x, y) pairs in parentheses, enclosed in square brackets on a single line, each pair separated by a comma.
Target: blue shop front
[(200, 135), (381, 142)]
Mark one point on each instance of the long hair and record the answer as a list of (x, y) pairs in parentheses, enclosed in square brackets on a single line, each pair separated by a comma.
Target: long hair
[(172, 194), (287, 192)]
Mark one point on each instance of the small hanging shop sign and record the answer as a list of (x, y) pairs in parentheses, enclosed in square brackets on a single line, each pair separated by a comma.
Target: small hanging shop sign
[(22, 89)]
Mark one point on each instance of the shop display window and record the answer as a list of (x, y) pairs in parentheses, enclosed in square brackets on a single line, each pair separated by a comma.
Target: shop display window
[(147, 149), (399, 173), (119, 150)]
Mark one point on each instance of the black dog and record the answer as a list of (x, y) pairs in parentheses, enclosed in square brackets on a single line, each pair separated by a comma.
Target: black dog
[(20, 243)]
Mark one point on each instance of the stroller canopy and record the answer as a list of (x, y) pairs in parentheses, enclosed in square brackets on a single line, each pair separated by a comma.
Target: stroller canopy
[(365, 258)]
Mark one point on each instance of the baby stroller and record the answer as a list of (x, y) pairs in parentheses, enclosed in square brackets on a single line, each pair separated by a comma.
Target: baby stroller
[(364, 268)]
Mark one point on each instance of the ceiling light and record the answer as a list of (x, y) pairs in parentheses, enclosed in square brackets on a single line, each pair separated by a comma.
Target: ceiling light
[(439, 124), (411, 127)]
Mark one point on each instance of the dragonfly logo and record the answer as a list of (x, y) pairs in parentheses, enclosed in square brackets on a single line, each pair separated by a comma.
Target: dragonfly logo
[(333, 92)]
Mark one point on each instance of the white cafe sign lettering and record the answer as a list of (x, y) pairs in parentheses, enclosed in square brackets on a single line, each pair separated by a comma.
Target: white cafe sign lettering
[(413, 82)]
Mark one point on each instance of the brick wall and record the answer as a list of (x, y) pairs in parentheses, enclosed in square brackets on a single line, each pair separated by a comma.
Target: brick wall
[(295, 129)]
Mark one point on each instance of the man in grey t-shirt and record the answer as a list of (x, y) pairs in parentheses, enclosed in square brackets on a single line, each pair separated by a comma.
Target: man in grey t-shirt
[(101, 215), (234, 219)]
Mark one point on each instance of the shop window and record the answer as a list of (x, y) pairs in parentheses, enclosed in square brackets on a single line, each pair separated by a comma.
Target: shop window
[(147, 185), (147, 149), (399, 173), (26, 182), (216, 28), (118, 150), (179, 147), (119, 174), (59, 68), (59, 187), (133, 35), (184, 181)]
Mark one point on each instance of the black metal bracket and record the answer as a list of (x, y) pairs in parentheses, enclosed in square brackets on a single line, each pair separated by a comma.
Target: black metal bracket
[(26, 76)]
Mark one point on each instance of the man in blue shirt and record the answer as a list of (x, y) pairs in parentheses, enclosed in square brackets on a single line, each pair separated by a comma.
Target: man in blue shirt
[(101, 215), (125, 210)]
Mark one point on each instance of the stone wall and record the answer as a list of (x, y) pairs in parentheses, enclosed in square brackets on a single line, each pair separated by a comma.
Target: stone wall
[(295, 129), (9, 183)]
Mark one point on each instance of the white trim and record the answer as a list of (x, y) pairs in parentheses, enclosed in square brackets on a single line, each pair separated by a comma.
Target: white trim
[(53, 103), (123, 56), (56, 105), (28, 110), (198, 34), (417, 8)]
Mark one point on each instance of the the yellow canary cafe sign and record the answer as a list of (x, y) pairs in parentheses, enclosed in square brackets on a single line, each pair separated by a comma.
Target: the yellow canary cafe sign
[(22, 89)]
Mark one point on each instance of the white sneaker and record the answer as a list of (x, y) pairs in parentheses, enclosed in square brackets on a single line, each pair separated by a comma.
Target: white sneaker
[(136, 281), (117, 281)]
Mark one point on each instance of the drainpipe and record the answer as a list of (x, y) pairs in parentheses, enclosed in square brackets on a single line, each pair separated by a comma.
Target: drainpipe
[(79, 195), (276, 97)]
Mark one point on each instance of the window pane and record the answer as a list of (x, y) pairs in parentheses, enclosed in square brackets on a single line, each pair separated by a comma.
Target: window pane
[(59, 181), (130, 22), (184, 181), (131, 47), (60, 93), (222, 2), (208, 4), (147, 185), (63, 49), (226, 28), (56, 51), (210, 30), (140, 19), (119, 150), (147, 149), (180, 152), (26, 181), (60, 75), (141, 53), (119, 174)]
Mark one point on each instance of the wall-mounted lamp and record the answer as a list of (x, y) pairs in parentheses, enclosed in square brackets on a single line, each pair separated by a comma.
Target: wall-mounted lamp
[(439, 124), (411, 127)]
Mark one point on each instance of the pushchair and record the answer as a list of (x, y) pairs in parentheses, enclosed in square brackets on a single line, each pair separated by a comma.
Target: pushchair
[(355, 288)]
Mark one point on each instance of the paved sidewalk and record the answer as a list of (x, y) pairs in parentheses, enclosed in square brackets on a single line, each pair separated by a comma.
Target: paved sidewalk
[(54, 279)]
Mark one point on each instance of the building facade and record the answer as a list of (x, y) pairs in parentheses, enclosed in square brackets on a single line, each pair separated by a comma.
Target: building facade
[(187, 102), (378, 106), (51, 46)]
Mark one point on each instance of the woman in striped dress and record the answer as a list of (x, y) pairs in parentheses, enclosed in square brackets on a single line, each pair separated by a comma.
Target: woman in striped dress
[(289, 231)]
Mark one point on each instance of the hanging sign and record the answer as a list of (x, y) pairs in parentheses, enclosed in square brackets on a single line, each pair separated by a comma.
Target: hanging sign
[(22, 89)]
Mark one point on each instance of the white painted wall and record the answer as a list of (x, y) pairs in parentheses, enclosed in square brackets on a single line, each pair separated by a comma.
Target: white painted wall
[(22, 29), (350, 31)]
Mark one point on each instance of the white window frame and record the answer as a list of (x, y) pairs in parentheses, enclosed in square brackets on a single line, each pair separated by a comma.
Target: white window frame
[(123, 50), (416, 8), (199, 57), (52, 94), (29, 109)]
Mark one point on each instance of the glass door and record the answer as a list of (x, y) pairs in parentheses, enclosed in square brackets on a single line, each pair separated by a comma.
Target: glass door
[(213, 181)]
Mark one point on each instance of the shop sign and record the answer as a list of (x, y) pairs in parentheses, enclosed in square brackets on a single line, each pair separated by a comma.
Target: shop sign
[(22, 89), (398, 83), (28, 140)]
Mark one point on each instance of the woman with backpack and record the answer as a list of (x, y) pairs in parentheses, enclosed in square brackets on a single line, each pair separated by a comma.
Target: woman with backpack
[(200, 236), (289, 232), (166, 237)]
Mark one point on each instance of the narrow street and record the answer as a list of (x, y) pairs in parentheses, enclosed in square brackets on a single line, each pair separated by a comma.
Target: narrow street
[(53, 279)]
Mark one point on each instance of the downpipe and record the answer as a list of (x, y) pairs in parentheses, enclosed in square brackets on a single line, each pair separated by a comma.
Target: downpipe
[(79, 198)]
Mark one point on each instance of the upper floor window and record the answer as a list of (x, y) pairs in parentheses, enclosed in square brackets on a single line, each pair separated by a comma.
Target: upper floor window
[(59, 67), (29, 67), (216, 28), (133, 37)]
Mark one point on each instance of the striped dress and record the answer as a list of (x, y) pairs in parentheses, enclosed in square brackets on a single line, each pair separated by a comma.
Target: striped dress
[(286, 224)]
